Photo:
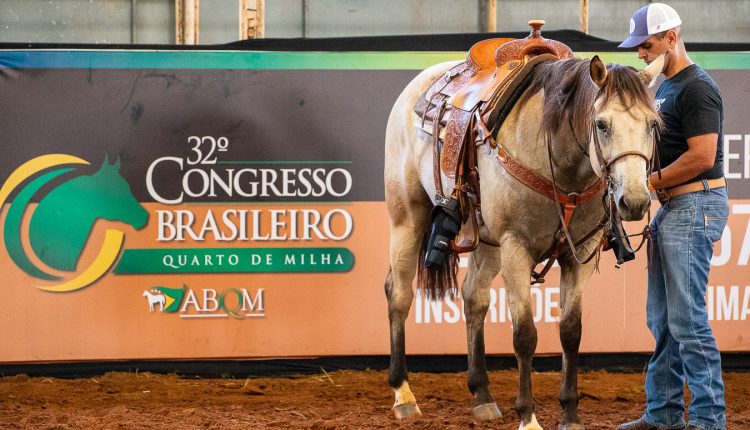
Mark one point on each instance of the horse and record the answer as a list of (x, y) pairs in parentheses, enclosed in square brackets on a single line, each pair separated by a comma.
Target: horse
[(154, 299), (63, 219), (570, 105)]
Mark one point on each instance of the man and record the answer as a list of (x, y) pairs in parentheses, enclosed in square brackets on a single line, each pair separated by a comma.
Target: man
[(691, 219)]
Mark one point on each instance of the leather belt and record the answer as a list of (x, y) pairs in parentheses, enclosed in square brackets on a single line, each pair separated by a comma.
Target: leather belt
[(710, 184)]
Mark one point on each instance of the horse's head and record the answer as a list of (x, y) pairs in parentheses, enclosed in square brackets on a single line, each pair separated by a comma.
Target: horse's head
[(623, 133), (116, 201)]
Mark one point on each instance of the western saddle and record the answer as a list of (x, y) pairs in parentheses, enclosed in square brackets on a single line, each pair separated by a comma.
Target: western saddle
[(465, 108)]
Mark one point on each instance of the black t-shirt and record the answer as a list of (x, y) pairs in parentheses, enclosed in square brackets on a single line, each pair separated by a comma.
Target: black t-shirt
[(690, 105)]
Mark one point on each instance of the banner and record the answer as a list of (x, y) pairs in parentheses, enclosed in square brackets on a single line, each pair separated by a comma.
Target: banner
[(221, 204)]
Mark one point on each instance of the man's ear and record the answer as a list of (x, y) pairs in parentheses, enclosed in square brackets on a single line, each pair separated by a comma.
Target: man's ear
[(674, 35)]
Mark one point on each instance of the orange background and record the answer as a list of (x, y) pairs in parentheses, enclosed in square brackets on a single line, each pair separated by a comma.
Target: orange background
[(309, 314)]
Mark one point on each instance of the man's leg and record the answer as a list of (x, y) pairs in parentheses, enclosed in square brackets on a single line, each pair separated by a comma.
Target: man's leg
[(688, 319), (665, 375)]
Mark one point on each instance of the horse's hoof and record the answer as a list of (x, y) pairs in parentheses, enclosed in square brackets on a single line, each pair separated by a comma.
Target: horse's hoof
[(487, 411), (406, 410), (571, 426), (533, 424)]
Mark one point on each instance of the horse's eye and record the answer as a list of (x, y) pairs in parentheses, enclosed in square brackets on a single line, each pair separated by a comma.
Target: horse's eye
[(601, 125)]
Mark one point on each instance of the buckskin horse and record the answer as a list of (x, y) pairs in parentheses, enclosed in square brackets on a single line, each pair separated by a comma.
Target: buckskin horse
[(577, 124)]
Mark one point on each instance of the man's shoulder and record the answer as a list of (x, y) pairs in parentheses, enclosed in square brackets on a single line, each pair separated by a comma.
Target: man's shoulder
[(699, 82), (701, 78)]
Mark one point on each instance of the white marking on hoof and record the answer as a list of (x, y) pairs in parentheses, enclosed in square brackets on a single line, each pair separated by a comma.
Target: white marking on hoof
[(406, 404), (531, 425), (571, 426), (487, 412), (407, 410), (404, 394)]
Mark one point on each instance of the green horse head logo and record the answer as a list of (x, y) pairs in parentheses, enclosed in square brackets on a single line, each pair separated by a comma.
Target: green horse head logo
[(62, 222)]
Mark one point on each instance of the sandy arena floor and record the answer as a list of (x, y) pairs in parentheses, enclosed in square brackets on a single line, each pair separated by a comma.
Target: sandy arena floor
[(337, 400)]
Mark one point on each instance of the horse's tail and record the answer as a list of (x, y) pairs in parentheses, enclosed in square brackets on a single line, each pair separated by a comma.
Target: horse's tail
[(436, 283)]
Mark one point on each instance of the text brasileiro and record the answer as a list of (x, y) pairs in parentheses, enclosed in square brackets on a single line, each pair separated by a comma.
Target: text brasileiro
[(202, 177)]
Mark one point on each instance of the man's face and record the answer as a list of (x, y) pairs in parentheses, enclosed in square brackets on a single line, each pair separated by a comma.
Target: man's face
[(652, 48), (656, 45)]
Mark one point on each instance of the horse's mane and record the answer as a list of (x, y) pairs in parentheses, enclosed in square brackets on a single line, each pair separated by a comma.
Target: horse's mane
[(570, 93)]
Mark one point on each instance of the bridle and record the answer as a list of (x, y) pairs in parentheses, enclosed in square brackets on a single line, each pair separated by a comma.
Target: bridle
[(566, 203), (610, 212)]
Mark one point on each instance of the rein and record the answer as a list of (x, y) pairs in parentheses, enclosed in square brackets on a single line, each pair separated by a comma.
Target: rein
[(606, 172), (567, 203)]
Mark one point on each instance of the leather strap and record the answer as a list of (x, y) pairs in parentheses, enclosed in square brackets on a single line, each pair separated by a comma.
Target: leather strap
[(575, 138), (456, 133), (607, 164), (710, 184), (544, 186), (556, 249), (626, 154), (436, 149), (467, 181)]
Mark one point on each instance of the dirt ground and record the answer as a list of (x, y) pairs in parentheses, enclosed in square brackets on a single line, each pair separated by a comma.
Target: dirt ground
[(337, 400)]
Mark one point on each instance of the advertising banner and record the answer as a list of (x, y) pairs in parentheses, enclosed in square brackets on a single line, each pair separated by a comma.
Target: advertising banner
[(222, 204)]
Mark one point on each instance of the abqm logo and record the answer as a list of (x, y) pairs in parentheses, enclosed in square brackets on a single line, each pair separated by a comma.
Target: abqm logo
[(58, 229)]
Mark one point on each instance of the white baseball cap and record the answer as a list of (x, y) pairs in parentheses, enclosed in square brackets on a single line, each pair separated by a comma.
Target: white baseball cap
[(649, 20)]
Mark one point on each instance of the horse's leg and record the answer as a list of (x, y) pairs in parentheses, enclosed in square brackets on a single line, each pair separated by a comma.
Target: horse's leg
[(408, 186), (484, 265), (516, 272), (572, 279), (406, 234)]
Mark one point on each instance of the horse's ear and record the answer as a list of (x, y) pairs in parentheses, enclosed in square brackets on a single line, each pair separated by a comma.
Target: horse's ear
[(598, 71), (649, 74), (106, 160), (116, 164)]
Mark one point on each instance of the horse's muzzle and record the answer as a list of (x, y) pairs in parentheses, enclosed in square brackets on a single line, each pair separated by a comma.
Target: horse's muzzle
[(633, 207)]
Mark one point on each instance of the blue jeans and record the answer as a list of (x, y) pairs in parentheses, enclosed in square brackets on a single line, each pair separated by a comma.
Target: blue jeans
[(684, 232)]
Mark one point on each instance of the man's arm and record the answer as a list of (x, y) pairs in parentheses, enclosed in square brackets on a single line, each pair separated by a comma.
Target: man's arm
[(699, 157)]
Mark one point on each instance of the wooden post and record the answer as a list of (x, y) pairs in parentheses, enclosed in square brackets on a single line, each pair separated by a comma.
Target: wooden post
[(187, 19), (585, 16), (252, 19), (178, 38), (490, 16), (133, 10)]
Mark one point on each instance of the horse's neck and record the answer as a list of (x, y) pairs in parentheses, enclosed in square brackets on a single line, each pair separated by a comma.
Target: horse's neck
[(520, 135), (572, 166)]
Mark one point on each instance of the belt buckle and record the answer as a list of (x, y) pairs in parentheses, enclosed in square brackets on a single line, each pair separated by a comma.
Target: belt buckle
[(663, 196)]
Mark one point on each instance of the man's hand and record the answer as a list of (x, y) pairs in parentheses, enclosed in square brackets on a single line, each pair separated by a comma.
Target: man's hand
[(699, 157)]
